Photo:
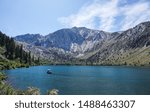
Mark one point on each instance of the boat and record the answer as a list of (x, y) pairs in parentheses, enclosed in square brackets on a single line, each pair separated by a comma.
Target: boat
[(49, 71)]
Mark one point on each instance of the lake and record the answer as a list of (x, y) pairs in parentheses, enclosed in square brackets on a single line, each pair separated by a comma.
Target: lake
[(83, 80)]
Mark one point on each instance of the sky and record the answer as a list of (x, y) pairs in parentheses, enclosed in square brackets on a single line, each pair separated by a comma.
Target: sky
[(46, 16)]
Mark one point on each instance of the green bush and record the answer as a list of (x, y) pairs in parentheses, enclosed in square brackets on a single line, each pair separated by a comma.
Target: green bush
[(53, 92), (2, 77)]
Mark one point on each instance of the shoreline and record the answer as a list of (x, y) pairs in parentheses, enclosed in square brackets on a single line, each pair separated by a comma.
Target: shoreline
[(130, 66)]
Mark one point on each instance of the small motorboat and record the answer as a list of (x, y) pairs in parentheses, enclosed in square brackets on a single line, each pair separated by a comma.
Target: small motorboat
[(49, 71)]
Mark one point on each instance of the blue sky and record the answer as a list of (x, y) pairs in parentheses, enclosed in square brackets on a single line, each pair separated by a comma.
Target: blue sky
[(46, 16)]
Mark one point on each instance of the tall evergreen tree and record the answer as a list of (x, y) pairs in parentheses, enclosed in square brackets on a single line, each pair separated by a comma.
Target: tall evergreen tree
[(17, 52), (30, 61), (21, 53), (26, 57), (33, 58), (12, 49), (38, 60)]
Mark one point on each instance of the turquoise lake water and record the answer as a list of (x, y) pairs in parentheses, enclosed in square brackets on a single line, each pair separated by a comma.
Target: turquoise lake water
[(83, 80)]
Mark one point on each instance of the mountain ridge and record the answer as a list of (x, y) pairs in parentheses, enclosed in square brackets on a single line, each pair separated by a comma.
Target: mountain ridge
[(93, 45), (66, 39)]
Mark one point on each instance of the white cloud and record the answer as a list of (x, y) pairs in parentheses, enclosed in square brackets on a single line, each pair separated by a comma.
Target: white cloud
[(109, 15), (134, 14)]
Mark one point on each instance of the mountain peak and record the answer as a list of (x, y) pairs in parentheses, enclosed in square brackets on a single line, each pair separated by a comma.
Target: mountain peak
[(145, 23), (75, 27), (28, 38)]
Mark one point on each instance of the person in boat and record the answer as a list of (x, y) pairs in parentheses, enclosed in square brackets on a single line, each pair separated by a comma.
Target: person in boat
[(49, 71)]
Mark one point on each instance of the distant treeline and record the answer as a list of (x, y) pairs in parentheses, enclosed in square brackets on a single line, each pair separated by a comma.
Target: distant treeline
[(14, 51)]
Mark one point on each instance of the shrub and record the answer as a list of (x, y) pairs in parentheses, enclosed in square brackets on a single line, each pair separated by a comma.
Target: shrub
[(53, 92)]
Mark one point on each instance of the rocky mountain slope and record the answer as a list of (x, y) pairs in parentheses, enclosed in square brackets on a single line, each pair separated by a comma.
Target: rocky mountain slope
[(74, 40), (131, 47)]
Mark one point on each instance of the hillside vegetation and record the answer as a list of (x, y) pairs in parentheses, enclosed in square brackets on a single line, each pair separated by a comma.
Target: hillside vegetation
[(13, 55)]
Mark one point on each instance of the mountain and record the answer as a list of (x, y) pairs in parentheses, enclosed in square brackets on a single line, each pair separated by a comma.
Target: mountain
[(131, 47), (74, 40), (64, 38), (93, 46), (28, 38)]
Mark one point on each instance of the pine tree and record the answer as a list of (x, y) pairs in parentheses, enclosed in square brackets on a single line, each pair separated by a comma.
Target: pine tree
[(26, 57), (12, 49), (3, 39), (21, 53), (38, 60), (30, 61), (33, 58), (17, 53)]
